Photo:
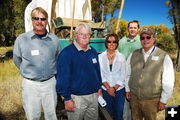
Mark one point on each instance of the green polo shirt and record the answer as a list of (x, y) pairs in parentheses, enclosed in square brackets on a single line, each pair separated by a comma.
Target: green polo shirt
[(127, 46)]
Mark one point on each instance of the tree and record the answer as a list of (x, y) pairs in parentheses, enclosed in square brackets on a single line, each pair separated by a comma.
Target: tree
[(12, 19), (123, 27), (174, 16), (18, 9), (6, 21), (105, 6)]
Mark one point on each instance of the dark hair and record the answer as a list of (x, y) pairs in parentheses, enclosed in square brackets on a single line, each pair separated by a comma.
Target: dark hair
[(134, 21), (115, 37)]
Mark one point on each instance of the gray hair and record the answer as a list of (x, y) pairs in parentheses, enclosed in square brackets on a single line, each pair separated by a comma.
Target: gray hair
[(86, 26)]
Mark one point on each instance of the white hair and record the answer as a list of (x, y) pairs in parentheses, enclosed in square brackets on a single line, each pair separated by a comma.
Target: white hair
[(86, 26)]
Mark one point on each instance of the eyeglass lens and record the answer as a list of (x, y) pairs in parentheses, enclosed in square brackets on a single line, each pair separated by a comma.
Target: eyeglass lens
[(82, 35)]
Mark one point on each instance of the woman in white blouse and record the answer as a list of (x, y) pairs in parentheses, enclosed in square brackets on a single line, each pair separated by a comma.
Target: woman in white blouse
[(113, 72)]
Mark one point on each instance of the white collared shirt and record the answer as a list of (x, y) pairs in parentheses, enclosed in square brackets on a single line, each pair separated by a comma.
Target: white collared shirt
[(118, 73), (167, 76)]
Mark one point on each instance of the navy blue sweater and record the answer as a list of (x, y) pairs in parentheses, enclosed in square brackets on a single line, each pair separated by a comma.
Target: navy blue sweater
[(78, 72)]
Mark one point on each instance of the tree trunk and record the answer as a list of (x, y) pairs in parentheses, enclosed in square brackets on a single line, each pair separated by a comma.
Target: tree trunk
[(174, 4), (178, 55)]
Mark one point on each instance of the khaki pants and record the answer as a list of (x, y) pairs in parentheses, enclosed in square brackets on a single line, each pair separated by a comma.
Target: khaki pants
[(86, 107), (37, 96), (146, 109)]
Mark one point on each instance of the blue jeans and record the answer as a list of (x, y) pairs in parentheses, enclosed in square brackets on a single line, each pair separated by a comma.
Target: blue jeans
[(115, 105)]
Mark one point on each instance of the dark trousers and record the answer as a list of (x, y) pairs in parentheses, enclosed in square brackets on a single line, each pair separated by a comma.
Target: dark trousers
[(115, 105)]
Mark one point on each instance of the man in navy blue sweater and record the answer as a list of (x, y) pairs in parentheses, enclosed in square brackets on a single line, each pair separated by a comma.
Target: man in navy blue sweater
[(78, 77)]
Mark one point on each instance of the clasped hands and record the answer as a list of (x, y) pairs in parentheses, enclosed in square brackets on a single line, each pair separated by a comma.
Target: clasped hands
[(111, 91)]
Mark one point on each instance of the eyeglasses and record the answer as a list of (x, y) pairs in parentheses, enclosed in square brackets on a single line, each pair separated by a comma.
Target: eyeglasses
[(38, 18), (82, 35), (147, 37), (112, 42)]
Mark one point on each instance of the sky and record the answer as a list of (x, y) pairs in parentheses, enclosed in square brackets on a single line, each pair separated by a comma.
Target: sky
[(147, 12)]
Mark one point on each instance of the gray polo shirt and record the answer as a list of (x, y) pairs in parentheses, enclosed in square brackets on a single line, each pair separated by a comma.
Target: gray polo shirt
[(36, 57)]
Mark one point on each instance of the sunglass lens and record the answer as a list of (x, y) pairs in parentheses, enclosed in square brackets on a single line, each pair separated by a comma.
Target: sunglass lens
[(43, 19), (111, 42), (148, 37), (142, 38), (37, 18)]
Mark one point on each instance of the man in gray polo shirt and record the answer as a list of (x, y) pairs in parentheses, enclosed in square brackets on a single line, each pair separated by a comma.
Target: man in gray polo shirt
[(35, 54)]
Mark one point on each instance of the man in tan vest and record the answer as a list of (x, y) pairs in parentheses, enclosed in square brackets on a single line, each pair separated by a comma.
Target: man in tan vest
[(150, 78)]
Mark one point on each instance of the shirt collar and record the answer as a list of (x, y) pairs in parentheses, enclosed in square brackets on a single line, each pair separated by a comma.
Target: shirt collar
[(79, 48), (32, 34), (150, 51), (135, 39)]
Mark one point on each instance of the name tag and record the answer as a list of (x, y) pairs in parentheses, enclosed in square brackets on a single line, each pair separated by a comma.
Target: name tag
[(94, 60), (34, 52), (155, 58)]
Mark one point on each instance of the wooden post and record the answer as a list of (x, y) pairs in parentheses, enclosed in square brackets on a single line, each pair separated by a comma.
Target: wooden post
[(72, 22), (53, 15), (120, 13), (105, 113)]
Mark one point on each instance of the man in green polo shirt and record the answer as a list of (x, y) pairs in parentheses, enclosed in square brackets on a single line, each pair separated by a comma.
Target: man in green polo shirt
[(126, 46), (131, 42)]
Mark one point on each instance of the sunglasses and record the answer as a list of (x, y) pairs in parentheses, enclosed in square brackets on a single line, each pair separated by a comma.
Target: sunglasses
[(112, 42), (38, 18), (147, 37)]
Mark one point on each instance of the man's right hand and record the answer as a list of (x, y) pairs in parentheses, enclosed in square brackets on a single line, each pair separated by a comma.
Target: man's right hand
[(69, 105), (128, 96)]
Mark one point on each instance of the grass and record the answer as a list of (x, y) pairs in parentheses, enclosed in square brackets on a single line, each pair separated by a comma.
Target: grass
[(10, 91), (5, 49)]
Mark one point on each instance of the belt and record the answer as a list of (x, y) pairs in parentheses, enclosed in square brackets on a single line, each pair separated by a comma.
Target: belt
[(39, 80)]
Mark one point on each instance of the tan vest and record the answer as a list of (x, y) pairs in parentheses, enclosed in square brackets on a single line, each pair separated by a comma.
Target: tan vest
[(146, 77)]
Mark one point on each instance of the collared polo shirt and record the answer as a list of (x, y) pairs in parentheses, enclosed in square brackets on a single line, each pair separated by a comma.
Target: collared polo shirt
[(127, 46), (36, 57), (79, 48)]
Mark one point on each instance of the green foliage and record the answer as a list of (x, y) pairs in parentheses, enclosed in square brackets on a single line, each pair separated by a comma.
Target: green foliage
[(166, 42), (6, 20), (108, 6), (19, 16), (12, 19)]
